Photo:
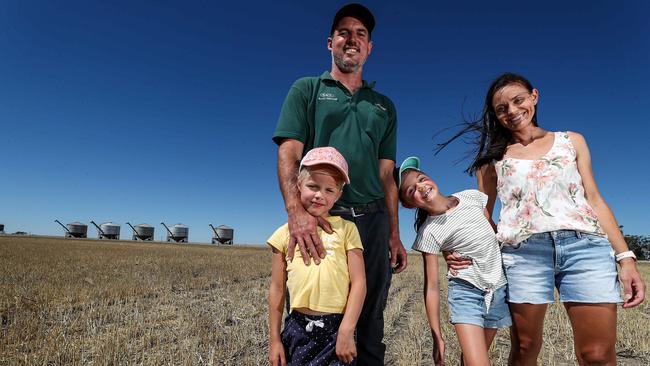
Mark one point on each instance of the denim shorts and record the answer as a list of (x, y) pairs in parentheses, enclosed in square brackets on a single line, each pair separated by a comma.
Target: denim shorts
[(467, 305), (581, 266)]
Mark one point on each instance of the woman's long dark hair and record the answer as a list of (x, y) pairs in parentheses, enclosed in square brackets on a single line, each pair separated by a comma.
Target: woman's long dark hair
[(490, 137)]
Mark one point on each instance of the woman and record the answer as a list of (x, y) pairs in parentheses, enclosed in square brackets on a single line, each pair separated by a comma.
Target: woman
[(555, 229)]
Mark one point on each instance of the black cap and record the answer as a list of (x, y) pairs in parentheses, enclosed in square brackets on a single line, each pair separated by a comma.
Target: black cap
[(356, 11)]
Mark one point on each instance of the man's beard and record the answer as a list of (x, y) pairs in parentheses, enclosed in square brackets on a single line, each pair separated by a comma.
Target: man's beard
[(346, 67)]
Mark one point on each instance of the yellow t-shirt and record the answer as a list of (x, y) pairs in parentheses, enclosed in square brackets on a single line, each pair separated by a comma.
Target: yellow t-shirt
[(322, 287)]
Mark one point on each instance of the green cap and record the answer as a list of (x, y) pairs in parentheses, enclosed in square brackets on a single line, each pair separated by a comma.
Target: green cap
[(412, 162)]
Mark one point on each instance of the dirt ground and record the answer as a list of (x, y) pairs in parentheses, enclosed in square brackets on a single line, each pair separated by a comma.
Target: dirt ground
[(82, 302)]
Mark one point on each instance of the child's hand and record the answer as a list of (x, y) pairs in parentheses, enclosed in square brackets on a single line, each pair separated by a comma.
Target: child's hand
[(438, 351), (346, 350), (276, 354)]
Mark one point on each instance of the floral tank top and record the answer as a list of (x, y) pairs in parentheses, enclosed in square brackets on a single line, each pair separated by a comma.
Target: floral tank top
[(544, 194)]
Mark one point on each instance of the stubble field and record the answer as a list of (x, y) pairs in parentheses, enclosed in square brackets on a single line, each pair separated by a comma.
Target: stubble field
[(90, 302)]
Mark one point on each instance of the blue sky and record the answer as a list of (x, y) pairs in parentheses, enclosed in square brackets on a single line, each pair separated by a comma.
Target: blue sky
[(150, 111)]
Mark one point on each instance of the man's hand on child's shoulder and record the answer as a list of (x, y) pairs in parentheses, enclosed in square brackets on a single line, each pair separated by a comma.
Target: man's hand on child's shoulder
[(302, 232)]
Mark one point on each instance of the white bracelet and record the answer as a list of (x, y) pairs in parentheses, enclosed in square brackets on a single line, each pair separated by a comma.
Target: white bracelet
[(623, 255)]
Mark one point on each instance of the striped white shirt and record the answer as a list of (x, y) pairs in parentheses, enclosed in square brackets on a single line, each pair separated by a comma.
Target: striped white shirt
[(466, 230)]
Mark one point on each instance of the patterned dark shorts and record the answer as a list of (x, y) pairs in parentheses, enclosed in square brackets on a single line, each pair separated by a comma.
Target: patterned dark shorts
[(311, 340)]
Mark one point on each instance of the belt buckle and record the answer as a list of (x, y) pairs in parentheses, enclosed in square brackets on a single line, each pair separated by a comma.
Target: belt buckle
[(354, 214)]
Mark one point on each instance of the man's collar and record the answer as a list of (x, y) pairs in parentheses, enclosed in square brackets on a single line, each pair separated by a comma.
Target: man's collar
[(327, 76)]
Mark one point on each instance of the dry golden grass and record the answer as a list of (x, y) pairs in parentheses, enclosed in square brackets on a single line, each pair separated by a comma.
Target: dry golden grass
[(409, 340), (80, 302)]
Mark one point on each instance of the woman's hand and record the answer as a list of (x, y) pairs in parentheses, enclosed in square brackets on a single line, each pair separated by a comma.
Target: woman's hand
[(633, 286), (456, 262)]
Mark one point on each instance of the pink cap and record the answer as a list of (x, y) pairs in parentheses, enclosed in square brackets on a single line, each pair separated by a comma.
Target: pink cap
[(326, 155)]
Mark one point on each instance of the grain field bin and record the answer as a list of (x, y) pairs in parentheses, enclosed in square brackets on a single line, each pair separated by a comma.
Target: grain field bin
[(74, 229), (142, 232), (178, 233), (107, 230), (222, 234)]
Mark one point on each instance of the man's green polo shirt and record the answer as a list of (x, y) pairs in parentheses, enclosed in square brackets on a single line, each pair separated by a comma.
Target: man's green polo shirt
[(320, 111)]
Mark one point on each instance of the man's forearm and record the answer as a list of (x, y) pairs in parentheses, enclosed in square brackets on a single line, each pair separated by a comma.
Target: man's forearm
[(289, 153)]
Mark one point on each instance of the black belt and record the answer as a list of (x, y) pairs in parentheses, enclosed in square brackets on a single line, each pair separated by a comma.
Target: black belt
[(358, 210)]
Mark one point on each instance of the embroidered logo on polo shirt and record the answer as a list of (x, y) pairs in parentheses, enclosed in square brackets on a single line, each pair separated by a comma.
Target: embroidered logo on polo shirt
[(327, 96)]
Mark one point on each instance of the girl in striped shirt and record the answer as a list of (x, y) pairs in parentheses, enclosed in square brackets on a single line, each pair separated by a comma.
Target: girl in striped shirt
[(476, 296)]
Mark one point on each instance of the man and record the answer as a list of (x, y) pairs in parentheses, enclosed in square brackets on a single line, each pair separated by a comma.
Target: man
[(341, 110)]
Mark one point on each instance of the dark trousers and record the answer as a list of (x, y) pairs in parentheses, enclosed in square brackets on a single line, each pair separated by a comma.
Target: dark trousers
[(374, 230)]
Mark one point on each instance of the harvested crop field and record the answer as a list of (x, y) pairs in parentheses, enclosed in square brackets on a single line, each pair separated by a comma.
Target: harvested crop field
[(79, 302)]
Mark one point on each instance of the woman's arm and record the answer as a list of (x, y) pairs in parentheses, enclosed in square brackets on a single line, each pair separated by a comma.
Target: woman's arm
[(432, 305), (276, 307), (346, 350), (632, 282)]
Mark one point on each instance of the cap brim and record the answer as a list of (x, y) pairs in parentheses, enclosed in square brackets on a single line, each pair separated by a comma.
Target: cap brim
[(412, 162), (346, 178)]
